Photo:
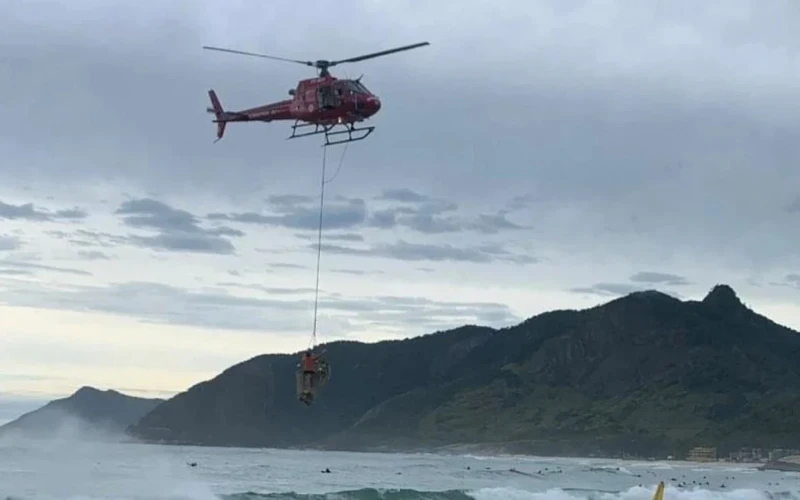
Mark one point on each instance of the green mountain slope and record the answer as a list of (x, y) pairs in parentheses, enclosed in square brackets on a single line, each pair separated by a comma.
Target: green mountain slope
[(645, 373)]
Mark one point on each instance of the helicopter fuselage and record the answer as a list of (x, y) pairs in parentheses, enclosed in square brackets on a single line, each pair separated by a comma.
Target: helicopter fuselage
[(321, 100)]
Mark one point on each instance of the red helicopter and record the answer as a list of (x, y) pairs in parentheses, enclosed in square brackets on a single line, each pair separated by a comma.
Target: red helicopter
[(323, 102)]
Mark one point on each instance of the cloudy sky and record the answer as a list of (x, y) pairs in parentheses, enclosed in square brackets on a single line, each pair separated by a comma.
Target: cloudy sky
[(549, 154)]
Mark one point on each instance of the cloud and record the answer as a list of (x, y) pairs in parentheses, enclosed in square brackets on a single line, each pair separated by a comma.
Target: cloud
[(640, 281), (269, 290), (358, 272), (299, 212), (30, 213), (25, 267), (416, 212), (93, 255), (608, 289), (789, 281), (403, 250), (90, 238), (286, 265), (403, 195), (9, 243), (351, 237), (436, 216), (178, 230), (16, 272), (659, 278), (217, 307)]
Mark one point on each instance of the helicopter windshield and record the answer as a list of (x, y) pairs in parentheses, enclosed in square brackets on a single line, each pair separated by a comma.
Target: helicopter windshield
[(362, 88), (355, 86)]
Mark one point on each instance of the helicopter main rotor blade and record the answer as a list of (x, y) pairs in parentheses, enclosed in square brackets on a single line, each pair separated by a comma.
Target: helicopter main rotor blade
[(378, 54), (253, 54)]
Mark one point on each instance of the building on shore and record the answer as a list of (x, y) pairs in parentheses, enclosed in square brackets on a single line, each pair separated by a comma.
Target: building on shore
[(702, 454), (751, 455), (779, 453)]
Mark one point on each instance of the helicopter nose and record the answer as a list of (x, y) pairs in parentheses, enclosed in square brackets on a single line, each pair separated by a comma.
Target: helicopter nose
[(373, 105)]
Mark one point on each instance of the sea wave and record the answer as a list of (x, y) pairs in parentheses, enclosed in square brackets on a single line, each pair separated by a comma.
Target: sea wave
[(504, 493)]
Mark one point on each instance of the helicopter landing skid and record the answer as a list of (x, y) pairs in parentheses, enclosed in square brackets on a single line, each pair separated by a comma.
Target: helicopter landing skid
[(349, 129)]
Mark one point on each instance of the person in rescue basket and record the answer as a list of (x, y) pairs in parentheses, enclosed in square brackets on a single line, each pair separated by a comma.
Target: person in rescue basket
[(308, 363)]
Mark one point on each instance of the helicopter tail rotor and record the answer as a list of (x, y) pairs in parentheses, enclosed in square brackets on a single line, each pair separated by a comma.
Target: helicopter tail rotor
[(219, 114)]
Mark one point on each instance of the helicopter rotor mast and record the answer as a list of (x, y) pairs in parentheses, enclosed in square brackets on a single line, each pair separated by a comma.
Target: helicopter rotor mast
[(322, 65)]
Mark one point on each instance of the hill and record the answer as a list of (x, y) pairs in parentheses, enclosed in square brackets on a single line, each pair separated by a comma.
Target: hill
[(87, 409), (646, 374)]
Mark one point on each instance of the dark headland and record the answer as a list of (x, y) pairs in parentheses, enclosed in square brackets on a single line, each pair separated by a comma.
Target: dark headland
[(87, 409), (646, 374)]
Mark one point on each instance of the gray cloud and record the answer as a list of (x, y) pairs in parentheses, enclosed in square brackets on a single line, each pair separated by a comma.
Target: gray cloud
[(287, 202), (28, 211), (520, 202), (14, 266), (90, 238), (286, 265), (608, 289), (432, 216), (93, 255), (406, 251), (218, 308), (403, 195), (642, 280), (298, 212), (424, 215), (16, 272), (790, 281), (269, 290), (9, 243), (357, 272), (351, 237), (659, 278), (178, 230)]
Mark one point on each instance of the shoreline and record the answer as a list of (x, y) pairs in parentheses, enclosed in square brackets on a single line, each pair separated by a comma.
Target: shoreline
[(473, 449)]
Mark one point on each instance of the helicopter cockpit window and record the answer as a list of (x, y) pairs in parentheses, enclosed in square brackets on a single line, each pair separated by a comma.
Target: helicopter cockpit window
[(353, 87), (360, 88)]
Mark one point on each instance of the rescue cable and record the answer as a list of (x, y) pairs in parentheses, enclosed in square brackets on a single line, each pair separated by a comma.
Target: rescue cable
[(323, 181)]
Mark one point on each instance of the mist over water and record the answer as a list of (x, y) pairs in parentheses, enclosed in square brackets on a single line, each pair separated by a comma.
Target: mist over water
[(76, 465)]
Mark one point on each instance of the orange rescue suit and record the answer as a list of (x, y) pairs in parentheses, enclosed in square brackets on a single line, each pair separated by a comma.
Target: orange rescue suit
[(309, 364)]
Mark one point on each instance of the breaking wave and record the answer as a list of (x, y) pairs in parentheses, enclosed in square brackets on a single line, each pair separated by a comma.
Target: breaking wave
[(502, 493)]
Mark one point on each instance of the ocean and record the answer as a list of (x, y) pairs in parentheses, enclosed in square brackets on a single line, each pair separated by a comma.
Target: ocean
[(83, 470)]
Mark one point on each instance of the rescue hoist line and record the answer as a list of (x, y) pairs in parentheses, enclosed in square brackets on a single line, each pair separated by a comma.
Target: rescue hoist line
[(322, 183)]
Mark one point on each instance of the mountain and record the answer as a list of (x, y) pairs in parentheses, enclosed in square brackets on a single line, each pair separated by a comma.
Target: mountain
[(88, 408), (646, 374)]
